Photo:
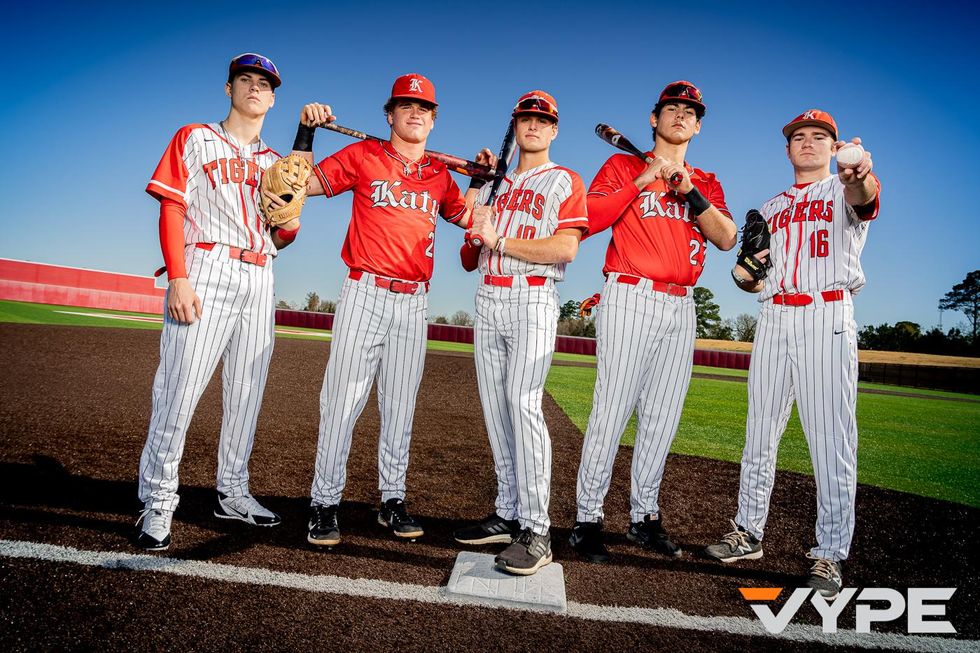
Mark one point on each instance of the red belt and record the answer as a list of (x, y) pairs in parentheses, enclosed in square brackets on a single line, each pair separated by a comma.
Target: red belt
[(508, 282), (394, 285), (244, 255), (659, 286), (803, 299)]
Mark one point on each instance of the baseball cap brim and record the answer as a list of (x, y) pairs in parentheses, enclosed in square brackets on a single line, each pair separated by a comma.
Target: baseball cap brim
[(273, 79), (793, 126), (414, 98)]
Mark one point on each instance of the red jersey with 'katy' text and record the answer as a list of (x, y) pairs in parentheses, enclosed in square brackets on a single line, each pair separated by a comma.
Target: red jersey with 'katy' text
[(655, 234), (217, 179), (396, 202)]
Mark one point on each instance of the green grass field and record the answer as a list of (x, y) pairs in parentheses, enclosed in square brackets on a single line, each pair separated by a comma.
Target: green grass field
[(922, 446), (912, 444)]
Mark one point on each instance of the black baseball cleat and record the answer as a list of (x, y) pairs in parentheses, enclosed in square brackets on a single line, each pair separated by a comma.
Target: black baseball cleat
[(491, 530), (650, 534), (586, 540), (825, 576), (394, 516), (323, 527), (528, 553), (245, 508)]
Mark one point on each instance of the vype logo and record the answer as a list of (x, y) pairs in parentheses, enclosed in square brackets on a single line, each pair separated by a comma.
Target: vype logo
[(872, 604)]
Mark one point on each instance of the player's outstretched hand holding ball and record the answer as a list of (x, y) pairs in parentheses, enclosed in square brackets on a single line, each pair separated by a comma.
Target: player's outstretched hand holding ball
[(853, 162)]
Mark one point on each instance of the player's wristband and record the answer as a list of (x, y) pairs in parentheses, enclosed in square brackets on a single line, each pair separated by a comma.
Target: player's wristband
[(697, 201), (477, 183), (500, 245), (304, 138)]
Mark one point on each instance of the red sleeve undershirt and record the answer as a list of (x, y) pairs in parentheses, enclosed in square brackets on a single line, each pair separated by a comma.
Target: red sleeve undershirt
[(604, 210), (172, 237)]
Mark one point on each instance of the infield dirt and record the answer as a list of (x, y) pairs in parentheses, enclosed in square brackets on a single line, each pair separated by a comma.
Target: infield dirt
[(73, 415)]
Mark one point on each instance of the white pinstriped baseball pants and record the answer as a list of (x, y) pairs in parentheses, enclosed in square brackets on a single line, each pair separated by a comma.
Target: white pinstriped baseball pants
[(237, 326), (377, 335), (514, 341), (807, 354), (645, 352)]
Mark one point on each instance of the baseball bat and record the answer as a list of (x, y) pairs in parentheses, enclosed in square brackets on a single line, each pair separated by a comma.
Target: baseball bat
[(614, 138), (503, 163), (454, 163)]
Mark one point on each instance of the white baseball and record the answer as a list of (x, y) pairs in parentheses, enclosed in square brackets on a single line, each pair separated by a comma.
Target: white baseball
[(849, 155)]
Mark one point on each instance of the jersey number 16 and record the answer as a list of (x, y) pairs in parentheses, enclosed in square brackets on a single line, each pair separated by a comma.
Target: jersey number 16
[(819, 247)]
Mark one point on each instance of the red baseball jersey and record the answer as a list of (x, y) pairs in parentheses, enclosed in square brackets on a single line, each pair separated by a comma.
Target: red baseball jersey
[(217, 179), (393, 220), (655, 236)]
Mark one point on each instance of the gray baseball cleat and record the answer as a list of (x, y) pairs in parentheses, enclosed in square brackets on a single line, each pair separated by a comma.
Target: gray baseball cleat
[(736, 545), (528, 553), (825, 576)]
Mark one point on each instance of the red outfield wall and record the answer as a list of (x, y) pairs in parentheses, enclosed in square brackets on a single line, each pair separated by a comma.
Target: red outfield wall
[(41, 283), (564, 344)]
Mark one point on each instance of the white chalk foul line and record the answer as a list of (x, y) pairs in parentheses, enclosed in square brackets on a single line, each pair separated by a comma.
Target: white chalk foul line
[(381, 589)]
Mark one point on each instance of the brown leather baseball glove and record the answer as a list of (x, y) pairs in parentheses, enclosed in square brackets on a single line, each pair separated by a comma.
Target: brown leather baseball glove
[(286, 179)]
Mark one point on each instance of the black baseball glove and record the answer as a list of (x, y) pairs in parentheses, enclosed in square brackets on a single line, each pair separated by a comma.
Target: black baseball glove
[(755, 238)]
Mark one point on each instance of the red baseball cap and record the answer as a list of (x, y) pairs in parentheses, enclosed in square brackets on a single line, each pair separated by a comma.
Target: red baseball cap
[(537, 103), (814, 117), (415, 87), (682, 91), (258, 63)]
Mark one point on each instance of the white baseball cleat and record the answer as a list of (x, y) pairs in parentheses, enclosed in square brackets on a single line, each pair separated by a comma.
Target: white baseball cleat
[(246, 509)]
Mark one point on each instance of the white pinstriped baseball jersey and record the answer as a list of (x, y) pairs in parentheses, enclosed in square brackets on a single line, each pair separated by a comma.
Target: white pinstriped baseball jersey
[(816, 240), (218, 182), (533, 204), (217, 178), (807, 353)]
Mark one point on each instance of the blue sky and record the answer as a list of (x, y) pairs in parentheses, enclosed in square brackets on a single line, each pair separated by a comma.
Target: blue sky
[(95, 93)]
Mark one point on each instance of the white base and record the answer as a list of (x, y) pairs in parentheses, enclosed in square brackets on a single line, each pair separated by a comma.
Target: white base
[(475, 579)]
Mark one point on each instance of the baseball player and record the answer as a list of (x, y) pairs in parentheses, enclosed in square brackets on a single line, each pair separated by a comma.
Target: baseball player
[(646, 323), (380, 327), (219, 306), (805, 347), (530, 233)]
